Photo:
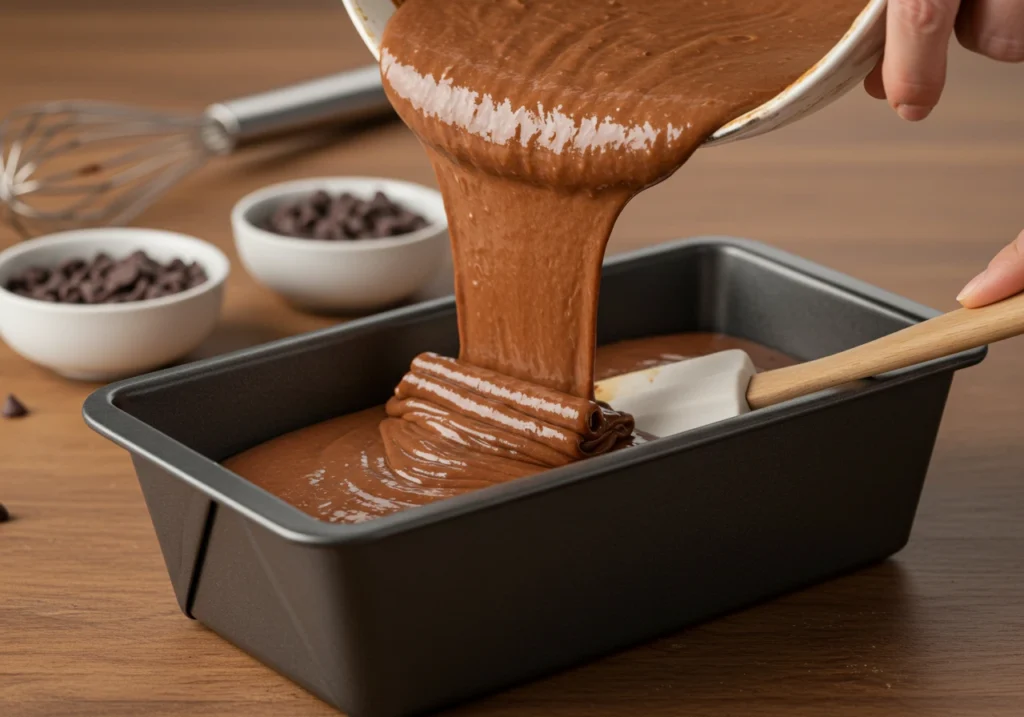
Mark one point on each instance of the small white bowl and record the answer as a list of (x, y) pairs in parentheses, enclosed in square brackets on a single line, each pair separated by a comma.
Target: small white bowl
[(342, 276), (103, 342)]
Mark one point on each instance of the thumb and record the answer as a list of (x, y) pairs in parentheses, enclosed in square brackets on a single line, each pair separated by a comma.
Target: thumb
[(1003, 278)]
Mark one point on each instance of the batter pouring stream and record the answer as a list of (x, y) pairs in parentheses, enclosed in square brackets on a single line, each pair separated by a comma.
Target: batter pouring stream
[(542, 118)]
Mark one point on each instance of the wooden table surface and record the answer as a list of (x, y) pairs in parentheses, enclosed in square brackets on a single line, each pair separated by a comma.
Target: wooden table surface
[(88, 622)]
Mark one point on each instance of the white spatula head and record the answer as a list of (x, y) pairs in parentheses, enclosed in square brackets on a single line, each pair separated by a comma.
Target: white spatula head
[(678, 397)]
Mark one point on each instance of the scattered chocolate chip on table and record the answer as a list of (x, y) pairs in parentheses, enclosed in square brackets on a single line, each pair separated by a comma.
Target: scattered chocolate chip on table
[(345, 217), (13, 408), (105, 280), (4, 514)]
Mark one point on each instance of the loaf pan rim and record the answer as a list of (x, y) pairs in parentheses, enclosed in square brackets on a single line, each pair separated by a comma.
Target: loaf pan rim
[(234, 491)]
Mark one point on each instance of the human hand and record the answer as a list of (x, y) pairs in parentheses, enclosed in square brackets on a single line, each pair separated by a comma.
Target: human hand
[(1003, 278), (912, 73), (911, 77)]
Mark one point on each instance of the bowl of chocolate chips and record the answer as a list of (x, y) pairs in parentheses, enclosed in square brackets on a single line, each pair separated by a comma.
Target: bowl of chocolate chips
[(102, 304), (342, 244)]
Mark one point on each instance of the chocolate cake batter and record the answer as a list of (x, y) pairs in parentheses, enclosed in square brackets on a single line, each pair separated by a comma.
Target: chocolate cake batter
[(542, 119), (337, 470)]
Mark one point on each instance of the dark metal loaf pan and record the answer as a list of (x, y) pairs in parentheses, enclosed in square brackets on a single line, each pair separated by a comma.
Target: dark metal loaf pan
[(435, 605)]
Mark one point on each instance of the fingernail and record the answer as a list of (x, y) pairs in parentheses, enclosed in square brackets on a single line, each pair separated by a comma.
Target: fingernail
[(971, 286), (913, 113)]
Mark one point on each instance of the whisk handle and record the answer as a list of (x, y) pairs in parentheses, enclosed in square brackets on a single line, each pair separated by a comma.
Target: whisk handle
[(351, 95)]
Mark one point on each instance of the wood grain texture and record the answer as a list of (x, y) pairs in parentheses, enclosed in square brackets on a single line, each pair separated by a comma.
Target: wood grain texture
[(944, 335), (88, 622)]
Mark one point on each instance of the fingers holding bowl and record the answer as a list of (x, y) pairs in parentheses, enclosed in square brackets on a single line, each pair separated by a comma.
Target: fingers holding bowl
[(993, 28), (913, 72)]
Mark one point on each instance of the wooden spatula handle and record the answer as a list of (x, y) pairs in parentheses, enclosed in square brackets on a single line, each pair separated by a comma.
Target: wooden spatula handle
[(942, 336)]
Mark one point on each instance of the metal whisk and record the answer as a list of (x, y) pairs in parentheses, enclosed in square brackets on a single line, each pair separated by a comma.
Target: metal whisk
[(65, 165)]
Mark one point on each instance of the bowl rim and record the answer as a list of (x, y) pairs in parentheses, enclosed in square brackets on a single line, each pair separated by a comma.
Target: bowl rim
[(102, 412), (438, 221), (738, 128), (741, 127), (217, 272)]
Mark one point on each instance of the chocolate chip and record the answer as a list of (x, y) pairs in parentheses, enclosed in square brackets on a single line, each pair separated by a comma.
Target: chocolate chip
[(78, 277), (138, 292), (361, 209), (148, 267), (172, 286), (381, 201), (354, 227), (287, 226), (94, 291), (123, 275), (4, 515), (283, 216), (327, 230), (409, 222), (34, 276), (385, 227), (320, 201), (155, 292), (105, 280), (341, 207), (180, 277), (69, 294), (43, 294), (100, 266), (13, 408), (55, 281), (70, 266), (318, 216), (307, 217)]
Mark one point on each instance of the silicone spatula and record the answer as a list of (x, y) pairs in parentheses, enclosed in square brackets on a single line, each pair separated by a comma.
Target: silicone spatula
[(678, 397)]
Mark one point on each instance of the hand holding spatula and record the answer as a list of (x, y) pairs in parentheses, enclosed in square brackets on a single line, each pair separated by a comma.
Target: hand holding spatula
[(670, 399)]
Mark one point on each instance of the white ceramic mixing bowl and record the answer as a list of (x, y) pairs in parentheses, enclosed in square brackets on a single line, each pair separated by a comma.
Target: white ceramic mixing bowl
[(846, 65)]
